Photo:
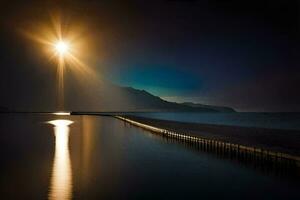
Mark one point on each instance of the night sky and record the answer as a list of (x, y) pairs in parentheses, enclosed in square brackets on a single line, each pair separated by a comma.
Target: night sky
[(243, 54)]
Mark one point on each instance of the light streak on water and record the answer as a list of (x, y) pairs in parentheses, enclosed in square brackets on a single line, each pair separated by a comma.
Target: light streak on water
[(62, 113), (61, 178)]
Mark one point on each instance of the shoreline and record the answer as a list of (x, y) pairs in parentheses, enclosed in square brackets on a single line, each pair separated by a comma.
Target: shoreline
[(270, 143)]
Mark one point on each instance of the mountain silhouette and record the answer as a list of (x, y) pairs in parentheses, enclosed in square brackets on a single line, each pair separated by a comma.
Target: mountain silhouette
[(127, 99)]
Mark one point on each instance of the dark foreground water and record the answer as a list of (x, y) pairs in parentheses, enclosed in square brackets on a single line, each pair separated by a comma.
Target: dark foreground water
[(104, 158)]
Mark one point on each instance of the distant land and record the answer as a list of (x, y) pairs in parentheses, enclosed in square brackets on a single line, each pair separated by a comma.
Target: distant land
[(217, 108), (140, 100)]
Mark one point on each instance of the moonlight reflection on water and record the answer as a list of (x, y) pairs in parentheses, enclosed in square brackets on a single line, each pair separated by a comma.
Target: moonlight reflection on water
[(61, 178)]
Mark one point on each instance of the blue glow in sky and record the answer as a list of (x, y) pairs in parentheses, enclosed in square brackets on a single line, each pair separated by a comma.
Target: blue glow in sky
[(159, 80)]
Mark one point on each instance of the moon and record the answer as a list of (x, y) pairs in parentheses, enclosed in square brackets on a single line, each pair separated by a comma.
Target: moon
[(62, 47)]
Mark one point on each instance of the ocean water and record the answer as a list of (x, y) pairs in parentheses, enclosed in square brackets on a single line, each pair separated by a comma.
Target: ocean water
[(92, 157), (261, 120)]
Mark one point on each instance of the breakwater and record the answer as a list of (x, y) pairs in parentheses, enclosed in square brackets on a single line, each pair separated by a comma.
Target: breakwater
[(232, 150)]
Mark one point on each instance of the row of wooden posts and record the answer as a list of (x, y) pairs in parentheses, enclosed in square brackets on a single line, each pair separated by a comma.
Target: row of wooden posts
[(218, 146)]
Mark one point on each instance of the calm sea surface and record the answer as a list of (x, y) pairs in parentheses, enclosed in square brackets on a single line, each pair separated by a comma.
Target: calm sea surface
[(262, 120), (104, 158)]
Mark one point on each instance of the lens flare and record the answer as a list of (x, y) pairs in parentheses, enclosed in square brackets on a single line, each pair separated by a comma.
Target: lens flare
[(66, 44)]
